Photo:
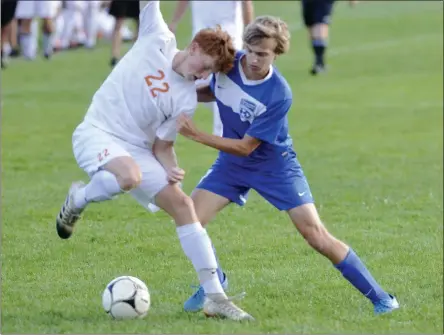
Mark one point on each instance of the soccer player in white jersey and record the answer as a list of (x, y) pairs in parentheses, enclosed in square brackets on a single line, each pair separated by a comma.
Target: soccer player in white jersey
[(232, 16), (125, 142), (256, 152)]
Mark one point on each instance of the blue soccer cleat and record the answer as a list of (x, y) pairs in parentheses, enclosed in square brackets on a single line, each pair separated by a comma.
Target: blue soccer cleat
[(196, 302), (386, 305)]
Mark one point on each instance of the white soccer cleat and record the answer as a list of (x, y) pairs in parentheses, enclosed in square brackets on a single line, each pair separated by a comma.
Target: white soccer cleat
[(225, 308), (69, 214)]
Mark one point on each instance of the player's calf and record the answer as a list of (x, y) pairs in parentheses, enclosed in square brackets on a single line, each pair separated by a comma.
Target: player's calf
[(307, 221), (197, 246)]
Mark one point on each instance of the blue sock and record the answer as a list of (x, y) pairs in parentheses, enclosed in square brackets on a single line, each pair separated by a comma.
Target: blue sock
[(220, 273), (357, 274), (319, 47)]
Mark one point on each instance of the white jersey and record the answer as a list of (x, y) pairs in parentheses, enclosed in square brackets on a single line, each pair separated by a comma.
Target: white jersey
[(227, 14), (142, 97)]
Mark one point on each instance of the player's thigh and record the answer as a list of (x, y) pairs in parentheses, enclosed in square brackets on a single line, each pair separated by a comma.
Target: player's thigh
[(25, 9), (225, 182), (95, 149), (207, 204), (153, 176)]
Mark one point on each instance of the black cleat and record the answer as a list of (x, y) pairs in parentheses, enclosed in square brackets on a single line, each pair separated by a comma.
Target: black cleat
[(317, 69), (69, 214)]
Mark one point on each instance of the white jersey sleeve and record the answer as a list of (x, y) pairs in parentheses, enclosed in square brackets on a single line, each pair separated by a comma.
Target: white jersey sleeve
[(167, 131), (151, 19)]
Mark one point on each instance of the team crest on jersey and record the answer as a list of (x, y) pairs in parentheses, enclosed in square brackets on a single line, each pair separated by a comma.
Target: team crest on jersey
[(246, 110)]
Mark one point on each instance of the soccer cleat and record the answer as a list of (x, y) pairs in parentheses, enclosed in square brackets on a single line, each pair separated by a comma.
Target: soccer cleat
[(69, 214), (225, 308), (317, 69), (386, 305), (196, 301)]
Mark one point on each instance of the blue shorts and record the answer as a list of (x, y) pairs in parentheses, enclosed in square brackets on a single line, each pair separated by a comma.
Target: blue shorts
[(284, 189)]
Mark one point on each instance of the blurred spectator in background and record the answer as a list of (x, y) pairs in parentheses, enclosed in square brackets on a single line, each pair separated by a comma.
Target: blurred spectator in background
[(122, 10), (7, 16), (317, 17)]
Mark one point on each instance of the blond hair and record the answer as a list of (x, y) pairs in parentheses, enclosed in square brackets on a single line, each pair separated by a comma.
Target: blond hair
[(268, 27)]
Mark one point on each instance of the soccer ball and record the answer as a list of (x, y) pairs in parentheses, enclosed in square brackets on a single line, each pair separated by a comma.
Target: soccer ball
[(126, 297)]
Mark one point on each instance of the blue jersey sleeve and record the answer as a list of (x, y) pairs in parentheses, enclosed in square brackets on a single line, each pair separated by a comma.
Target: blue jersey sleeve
[(266, 127)]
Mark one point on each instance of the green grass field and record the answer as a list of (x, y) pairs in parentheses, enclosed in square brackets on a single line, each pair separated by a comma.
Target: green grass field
[(369, 136)]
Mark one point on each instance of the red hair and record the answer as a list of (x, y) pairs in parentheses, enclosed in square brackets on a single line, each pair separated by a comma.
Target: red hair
[(219, 45)]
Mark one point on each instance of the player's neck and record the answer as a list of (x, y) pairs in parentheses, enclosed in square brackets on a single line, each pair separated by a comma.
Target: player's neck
[(178, 62)]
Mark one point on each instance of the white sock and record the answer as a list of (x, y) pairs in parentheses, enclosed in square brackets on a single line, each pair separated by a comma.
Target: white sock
[(68, 28), (197, 247), (26, 42), (103, 186), (91, 25)]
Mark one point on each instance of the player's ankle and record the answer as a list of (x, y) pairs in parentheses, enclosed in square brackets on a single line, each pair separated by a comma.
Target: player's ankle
[(80, 201)]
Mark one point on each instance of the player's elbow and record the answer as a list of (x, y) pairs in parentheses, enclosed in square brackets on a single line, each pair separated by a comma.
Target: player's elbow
[(245, 150), (160, 146)]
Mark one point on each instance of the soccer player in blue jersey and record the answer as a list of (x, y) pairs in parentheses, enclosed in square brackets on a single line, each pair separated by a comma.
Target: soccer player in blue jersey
[(256, 152)]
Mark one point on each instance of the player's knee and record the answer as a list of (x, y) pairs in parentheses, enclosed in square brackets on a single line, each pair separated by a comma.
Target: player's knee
[(47, 26), (129, 180), (183, 203)]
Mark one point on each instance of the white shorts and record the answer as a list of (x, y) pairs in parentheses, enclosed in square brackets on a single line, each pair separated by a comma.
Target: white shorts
[(32, 9), (93, 148)]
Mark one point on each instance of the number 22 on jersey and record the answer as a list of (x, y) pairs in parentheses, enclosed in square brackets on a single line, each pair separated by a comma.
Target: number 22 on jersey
[(156, 84)]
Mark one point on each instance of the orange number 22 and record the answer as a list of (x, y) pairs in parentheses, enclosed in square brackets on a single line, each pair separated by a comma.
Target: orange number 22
[(164, 87)]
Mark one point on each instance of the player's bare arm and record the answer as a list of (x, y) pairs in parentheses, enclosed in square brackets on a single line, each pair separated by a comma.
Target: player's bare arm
[(248, 11), (241, 147), (165, 154), (178, 13), (205, 94)]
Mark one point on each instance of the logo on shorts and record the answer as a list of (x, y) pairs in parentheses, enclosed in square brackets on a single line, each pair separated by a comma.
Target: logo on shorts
[(246, 110)]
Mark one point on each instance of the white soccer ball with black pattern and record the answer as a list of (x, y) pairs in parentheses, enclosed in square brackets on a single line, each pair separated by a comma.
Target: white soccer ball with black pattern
[(126, 297)]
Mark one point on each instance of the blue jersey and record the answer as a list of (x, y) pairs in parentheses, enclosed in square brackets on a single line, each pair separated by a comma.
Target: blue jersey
[(258, 109)]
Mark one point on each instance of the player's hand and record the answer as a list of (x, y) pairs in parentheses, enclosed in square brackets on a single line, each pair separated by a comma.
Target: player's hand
[(175, 175), (185, 126)]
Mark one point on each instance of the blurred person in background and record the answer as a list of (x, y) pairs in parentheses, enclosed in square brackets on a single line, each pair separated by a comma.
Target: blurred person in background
[(27, 11), (317, 17), (122, 10), (232, 16), (8, 8)]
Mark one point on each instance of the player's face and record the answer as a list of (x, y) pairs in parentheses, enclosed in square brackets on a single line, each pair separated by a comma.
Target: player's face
[(199, 65), (259, 57)]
